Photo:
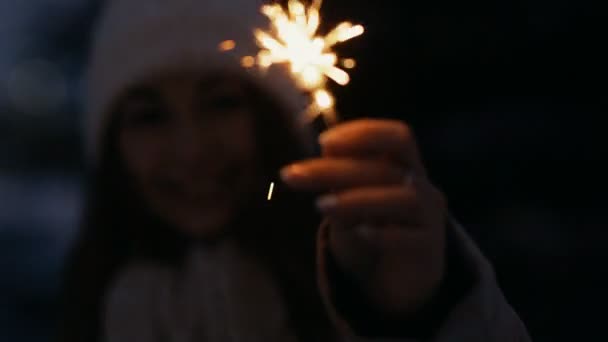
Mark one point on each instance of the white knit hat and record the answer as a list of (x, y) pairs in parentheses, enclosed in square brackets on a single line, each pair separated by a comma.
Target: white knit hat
[(138, 37)]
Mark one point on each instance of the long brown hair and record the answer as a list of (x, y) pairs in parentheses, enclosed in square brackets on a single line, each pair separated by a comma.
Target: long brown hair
[(280, 233)]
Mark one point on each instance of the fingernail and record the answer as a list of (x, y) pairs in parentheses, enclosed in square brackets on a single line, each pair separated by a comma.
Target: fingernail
[(327, 203), (290, 172)]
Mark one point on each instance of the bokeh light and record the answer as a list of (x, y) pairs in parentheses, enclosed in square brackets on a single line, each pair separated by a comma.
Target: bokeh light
[(36, 87)]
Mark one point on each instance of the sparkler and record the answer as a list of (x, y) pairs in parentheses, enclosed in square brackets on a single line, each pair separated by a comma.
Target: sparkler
[(293, 39)]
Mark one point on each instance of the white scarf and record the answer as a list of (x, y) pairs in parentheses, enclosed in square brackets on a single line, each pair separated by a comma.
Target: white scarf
[(220, 295)]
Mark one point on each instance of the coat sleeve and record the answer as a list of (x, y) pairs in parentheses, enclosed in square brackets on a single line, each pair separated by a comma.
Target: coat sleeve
[(479, 314)]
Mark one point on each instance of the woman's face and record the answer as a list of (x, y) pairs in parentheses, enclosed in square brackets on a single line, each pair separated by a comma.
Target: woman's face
[(189, 145)]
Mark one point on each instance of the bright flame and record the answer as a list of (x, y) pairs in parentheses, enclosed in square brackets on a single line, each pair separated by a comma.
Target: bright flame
[(323, 99), (293, 40)]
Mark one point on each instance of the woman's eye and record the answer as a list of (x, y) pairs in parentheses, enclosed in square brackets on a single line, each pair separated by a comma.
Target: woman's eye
[(225, 103), (142, 117)]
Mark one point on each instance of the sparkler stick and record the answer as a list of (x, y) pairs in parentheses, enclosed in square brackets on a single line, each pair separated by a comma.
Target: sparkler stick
[(270, 191), (293, 39)]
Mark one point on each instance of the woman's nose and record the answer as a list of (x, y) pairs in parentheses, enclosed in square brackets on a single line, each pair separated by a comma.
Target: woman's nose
[(193, 145)]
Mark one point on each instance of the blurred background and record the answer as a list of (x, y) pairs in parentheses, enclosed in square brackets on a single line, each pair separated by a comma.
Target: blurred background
[(506, 97)]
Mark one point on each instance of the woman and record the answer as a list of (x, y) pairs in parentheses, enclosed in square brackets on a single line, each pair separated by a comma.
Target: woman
[(179, 243)]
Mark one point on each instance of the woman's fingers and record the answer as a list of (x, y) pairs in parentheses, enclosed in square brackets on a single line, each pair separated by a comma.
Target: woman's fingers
[(392, 204), (339, 173), (370, 138)]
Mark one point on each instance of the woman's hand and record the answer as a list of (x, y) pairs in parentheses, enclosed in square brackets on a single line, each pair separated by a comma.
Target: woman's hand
[(387, 219)]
